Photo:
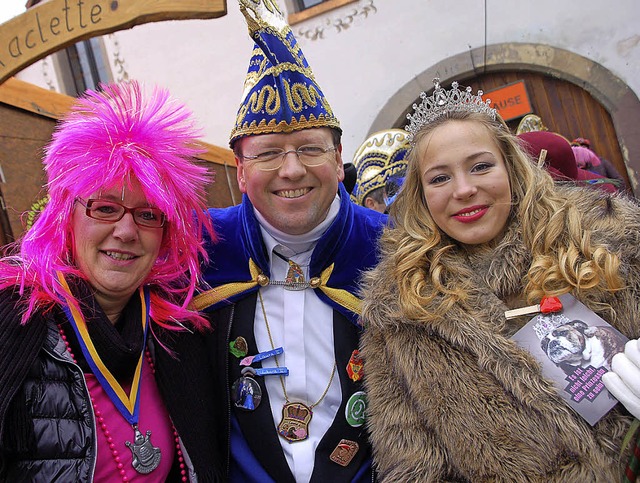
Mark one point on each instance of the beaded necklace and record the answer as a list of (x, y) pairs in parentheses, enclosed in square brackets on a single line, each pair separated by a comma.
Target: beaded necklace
[(146, 457), (101, 423)]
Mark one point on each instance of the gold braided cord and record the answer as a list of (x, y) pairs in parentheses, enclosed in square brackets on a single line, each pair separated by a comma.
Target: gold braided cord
[(218, 294), (267, 99), (340, 296), (300, 95), (267, 68), (271, 127)]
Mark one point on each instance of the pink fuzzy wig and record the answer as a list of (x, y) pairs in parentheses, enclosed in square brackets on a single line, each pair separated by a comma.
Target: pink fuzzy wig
[(108, 139)]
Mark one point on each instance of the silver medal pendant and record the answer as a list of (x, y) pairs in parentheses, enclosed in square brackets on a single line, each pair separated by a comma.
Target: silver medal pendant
[(146, 457)]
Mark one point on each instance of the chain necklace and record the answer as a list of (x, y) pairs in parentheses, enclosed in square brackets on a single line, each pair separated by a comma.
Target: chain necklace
[(296, 416)]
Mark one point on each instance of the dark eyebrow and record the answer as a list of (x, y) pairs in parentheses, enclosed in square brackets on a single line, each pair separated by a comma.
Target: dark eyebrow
[(468, 158)]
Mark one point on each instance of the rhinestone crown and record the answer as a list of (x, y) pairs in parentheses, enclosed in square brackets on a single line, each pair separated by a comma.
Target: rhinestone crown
[(545, 323), (442, 102)]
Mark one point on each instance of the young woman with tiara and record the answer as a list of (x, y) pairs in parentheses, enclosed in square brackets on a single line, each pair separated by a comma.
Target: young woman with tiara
[(480, 230)]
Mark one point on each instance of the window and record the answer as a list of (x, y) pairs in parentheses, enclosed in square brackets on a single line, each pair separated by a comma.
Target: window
[(82, 66), (304, 4), (305, 9)]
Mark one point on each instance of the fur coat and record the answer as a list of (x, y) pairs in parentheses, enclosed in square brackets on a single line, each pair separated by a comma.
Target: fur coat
[(457, 400)]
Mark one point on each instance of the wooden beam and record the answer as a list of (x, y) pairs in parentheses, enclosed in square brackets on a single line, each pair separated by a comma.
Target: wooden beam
[(32, 98), (53, 25), (218, 155)]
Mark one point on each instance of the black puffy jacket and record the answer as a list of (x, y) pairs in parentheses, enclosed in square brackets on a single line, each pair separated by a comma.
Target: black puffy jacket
[(56, 398)]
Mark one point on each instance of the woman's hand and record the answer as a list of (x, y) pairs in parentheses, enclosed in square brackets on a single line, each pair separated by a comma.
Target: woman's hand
[(623, 381)]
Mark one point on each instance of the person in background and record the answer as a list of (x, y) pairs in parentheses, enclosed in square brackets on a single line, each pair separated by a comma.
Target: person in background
[(479, 230), (595, 164), (112, 260), (376, 199), (590, 161), (561, 163), (275, 392), (350, 175), (380, 164)]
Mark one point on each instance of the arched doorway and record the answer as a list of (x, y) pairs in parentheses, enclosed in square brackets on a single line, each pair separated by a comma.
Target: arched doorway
[(573, 95), (565, 108)]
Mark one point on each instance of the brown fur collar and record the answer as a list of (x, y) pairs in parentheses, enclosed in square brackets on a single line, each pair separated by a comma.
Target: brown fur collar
[(456, 399)]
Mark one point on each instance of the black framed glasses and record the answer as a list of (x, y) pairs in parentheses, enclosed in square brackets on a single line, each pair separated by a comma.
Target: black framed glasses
[(110, 211), (271, 159)]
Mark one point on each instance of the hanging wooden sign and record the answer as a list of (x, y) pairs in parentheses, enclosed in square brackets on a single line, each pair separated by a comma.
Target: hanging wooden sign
[(53, 25)]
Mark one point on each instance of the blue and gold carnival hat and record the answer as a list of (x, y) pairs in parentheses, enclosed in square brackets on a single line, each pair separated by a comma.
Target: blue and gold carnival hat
[(280, 94), (380, 158)]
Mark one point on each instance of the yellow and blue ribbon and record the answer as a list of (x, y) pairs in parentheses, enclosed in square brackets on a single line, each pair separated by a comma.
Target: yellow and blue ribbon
[(128, 405)]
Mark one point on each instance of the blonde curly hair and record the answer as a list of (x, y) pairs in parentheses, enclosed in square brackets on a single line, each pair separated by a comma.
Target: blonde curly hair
[(564, 258)]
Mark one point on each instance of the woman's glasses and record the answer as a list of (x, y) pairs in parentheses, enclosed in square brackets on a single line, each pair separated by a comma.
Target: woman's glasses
[(111, 211)]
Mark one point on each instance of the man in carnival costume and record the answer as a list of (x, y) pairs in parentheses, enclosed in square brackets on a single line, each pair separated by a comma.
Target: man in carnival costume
[(380, 166), (277, 395)]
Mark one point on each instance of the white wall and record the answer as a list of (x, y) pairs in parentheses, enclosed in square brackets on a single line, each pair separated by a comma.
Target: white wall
[(360, 67)]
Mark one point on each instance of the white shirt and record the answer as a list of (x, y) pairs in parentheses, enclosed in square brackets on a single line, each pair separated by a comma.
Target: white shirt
[(307, 341)]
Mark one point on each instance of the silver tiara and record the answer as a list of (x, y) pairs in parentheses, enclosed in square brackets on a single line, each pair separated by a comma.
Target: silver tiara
[(442, 102), (545, 323)]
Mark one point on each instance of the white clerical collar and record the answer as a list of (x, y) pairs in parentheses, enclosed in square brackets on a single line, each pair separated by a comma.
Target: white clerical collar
[(296, 243)]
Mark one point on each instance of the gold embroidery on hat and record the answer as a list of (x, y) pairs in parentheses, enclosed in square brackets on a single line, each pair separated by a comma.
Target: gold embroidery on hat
[(300, 95)]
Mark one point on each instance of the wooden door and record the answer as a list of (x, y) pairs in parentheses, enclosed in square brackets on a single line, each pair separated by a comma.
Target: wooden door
[(564, 108)]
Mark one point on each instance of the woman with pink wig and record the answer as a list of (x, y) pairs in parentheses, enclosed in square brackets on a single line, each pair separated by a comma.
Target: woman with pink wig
[(108, 268)]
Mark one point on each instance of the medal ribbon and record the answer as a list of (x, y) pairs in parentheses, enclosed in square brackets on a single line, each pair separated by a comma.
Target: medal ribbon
[(129, 406)]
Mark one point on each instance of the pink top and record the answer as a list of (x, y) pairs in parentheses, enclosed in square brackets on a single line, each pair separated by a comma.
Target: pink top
[(153, 417)]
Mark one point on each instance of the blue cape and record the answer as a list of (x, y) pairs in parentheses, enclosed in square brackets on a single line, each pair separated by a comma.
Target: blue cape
[(239, 260)]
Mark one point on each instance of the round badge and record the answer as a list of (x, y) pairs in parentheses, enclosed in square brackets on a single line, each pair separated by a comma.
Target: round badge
[(246, 393), (356, 409)]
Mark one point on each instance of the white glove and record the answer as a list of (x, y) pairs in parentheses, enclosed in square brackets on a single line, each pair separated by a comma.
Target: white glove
[(623, 381)]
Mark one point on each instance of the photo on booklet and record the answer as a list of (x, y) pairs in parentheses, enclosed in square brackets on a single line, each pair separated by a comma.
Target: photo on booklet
[(575, 347)]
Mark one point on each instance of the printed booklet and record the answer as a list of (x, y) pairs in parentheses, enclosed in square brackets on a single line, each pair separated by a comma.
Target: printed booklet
[(575, 347)]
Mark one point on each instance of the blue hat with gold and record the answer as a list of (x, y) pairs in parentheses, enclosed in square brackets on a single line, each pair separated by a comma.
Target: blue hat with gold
[(280, 94), (380, 158)]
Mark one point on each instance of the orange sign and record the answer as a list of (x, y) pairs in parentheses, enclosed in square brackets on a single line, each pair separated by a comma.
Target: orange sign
[(511, 100)]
